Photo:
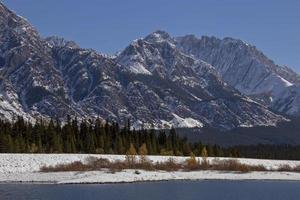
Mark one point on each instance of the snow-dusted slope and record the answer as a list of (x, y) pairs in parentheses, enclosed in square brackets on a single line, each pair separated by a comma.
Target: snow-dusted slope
[(29, 81), (211, 101), (244, 67), (288, 101), (151, 82)]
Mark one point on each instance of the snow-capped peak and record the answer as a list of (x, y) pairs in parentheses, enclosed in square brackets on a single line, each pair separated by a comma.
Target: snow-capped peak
[(60, 42), (158, 36)]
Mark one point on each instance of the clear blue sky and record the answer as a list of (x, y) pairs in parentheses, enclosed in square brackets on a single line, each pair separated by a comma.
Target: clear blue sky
[(109, 25)]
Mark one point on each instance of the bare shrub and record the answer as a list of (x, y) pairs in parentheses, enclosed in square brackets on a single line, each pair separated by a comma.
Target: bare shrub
[(119, 165), (259, 168), (296, 168), (204, 164), (288, 168), (169, 165), (235, 165), (231, 165), (98, 163), (190, 164), (285, 168), (75, 166), (145, 165)]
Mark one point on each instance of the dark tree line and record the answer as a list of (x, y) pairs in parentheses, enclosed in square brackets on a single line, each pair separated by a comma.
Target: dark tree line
[(268, 151), (96, 136), (93, 136)]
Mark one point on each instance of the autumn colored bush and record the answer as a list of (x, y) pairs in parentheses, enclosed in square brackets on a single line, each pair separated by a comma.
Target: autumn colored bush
[(74, 166), (191, 164)]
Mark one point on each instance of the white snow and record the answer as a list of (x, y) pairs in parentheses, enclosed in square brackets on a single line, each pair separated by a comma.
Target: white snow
[(158, 37), (138, 68), (178, 121), (25, 168), (134, 64), (285, 82)]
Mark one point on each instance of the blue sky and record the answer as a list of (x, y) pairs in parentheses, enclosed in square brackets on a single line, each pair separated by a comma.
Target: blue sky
[(273, 26)]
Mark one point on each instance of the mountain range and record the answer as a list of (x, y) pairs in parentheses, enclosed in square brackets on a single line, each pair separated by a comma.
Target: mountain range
[(156, 81)]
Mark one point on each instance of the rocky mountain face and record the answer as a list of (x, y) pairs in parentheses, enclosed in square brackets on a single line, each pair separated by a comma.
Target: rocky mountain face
[(288, 101), (30, 84), (248, 70), (156, 81)]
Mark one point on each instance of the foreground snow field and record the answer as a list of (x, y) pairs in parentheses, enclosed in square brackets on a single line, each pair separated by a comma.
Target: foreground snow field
[(25, 168)]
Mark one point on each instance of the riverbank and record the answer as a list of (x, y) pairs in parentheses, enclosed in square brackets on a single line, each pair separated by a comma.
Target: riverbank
[(26, 168)]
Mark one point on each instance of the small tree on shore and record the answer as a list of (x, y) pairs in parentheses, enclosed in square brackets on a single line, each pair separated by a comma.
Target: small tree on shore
[(204, 153), (131, 155), (192, 162), (204, 156), (143, 151)]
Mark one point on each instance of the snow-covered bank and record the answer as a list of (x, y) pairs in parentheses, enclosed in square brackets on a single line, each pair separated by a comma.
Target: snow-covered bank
[(25, 168)]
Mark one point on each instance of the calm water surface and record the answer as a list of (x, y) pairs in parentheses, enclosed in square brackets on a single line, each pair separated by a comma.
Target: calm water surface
[(172, 190)]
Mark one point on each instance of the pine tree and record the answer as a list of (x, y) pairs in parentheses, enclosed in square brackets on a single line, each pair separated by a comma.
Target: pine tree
[(149, 143), (69, 139), (174, 140), (120, 145), (186, 149), (10, 144), (210, 151), (154, 144), (89, 141)]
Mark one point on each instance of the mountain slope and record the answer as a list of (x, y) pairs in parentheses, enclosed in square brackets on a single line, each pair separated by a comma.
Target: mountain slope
[(212, 102), (152, 82), (244, 67), (288, 101), (30, 82)]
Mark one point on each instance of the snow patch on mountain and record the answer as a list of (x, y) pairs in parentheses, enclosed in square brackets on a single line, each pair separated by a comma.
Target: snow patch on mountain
[(134, 67), (185, 122)]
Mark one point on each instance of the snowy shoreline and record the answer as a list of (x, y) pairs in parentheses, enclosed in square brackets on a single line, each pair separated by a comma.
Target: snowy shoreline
[(24, 168)]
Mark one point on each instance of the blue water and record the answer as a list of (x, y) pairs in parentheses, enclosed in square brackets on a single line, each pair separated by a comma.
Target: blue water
[(172, 190)]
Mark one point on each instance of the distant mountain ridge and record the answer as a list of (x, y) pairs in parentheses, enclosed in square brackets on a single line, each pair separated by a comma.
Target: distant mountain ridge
[(248, 70), (158, 81)]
